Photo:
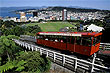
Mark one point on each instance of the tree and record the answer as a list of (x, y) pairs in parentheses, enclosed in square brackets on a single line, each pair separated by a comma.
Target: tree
[(17, 30), (32, 29), (30, 62), (13, 66), (35, 62), (9, 24), (7, 46), (40, 20), (1, 23), (8, 31)]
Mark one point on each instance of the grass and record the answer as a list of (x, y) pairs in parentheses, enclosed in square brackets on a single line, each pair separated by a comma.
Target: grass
[(51, 26)]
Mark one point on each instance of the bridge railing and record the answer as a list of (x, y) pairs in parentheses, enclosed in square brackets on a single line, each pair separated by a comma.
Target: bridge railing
[(67, 61)]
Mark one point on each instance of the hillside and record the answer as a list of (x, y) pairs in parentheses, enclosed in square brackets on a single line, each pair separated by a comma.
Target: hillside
[(73, 9), (60, 8)]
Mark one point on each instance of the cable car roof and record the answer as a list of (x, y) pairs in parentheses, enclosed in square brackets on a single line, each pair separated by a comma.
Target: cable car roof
[(71, 33)]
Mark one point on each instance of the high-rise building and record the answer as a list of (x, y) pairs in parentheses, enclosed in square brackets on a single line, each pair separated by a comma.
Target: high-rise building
[(64, 14), (23, 17), (22, 14), (35, 14)]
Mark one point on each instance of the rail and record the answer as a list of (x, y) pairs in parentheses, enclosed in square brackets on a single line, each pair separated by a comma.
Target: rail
[(70, 62)]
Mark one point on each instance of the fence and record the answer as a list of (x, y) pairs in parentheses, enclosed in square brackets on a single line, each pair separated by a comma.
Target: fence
[(67, 61)]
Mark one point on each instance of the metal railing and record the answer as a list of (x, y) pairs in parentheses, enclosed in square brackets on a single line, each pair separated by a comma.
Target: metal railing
[(105, 46), (67, 61), (28, 38)]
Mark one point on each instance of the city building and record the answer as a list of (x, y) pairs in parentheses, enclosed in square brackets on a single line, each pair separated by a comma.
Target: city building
[(93, 28), (1, 18), (35, 14), (23, 17), (33, 19), (10, 18), (64, 14)]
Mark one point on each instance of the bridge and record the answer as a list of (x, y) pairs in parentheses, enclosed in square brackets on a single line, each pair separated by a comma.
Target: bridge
[(66, 61)]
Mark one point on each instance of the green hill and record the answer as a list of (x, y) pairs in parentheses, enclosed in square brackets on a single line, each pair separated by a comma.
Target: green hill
[(51, 26)]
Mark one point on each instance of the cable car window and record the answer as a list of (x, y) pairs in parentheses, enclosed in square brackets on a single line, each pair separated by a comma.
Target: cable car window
[(51, 38), (78, 40), (96, 40), (64, 39), (86, 41), (40, 37), (68, 39), (72, 40)]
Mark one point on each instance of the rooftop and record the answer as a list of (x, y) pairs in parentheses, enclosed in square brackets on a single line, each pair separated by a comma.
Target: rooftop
[(92, 34)]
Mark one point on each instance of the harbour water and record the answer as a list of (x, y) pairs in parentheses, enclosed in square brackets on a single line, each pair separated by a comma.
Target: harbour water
[(9, 11)]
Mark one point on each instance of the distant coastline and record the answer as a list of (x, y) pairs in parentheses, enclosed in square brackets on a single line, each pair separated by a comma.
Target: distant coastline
[(11, 11)]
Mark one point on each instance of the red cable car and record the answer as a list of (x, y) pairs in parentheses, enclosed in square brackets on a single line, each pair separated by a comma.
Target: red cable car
[(86, 43)]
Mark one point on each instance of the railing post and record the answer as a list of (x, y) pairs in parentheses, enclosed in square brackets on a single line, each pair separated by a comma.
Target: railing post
[(20, 44), (36, 48), (104, 46), (47, 54), (54, 56), (23, 44), (40, 51), (26, 46), (75, 64), (35, 37), (29, 46), (63, 60), (32, 48), (92, 69)]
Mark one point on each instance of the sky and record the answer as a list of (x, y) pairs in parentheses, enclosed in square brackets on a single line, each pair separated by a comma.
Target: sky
[(98, 4)]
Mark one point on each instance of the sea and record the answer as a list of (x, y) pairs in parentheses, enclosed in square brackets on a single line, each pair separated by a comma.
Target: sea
[(9, 11)]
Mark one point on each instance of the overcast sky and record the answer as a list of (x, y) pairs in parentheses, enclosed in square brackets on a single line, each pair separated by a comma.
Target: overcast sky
[(99, 4)]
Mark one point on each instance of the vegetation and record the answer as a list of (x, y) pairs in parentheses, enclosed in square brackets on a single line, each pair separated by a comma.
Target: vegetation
[(105, 36), (9, 28), (14, 59), (17, 30), (32, 30), (7, 46), (96, 22), (59, 8), (13, 66), (35, 62)]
